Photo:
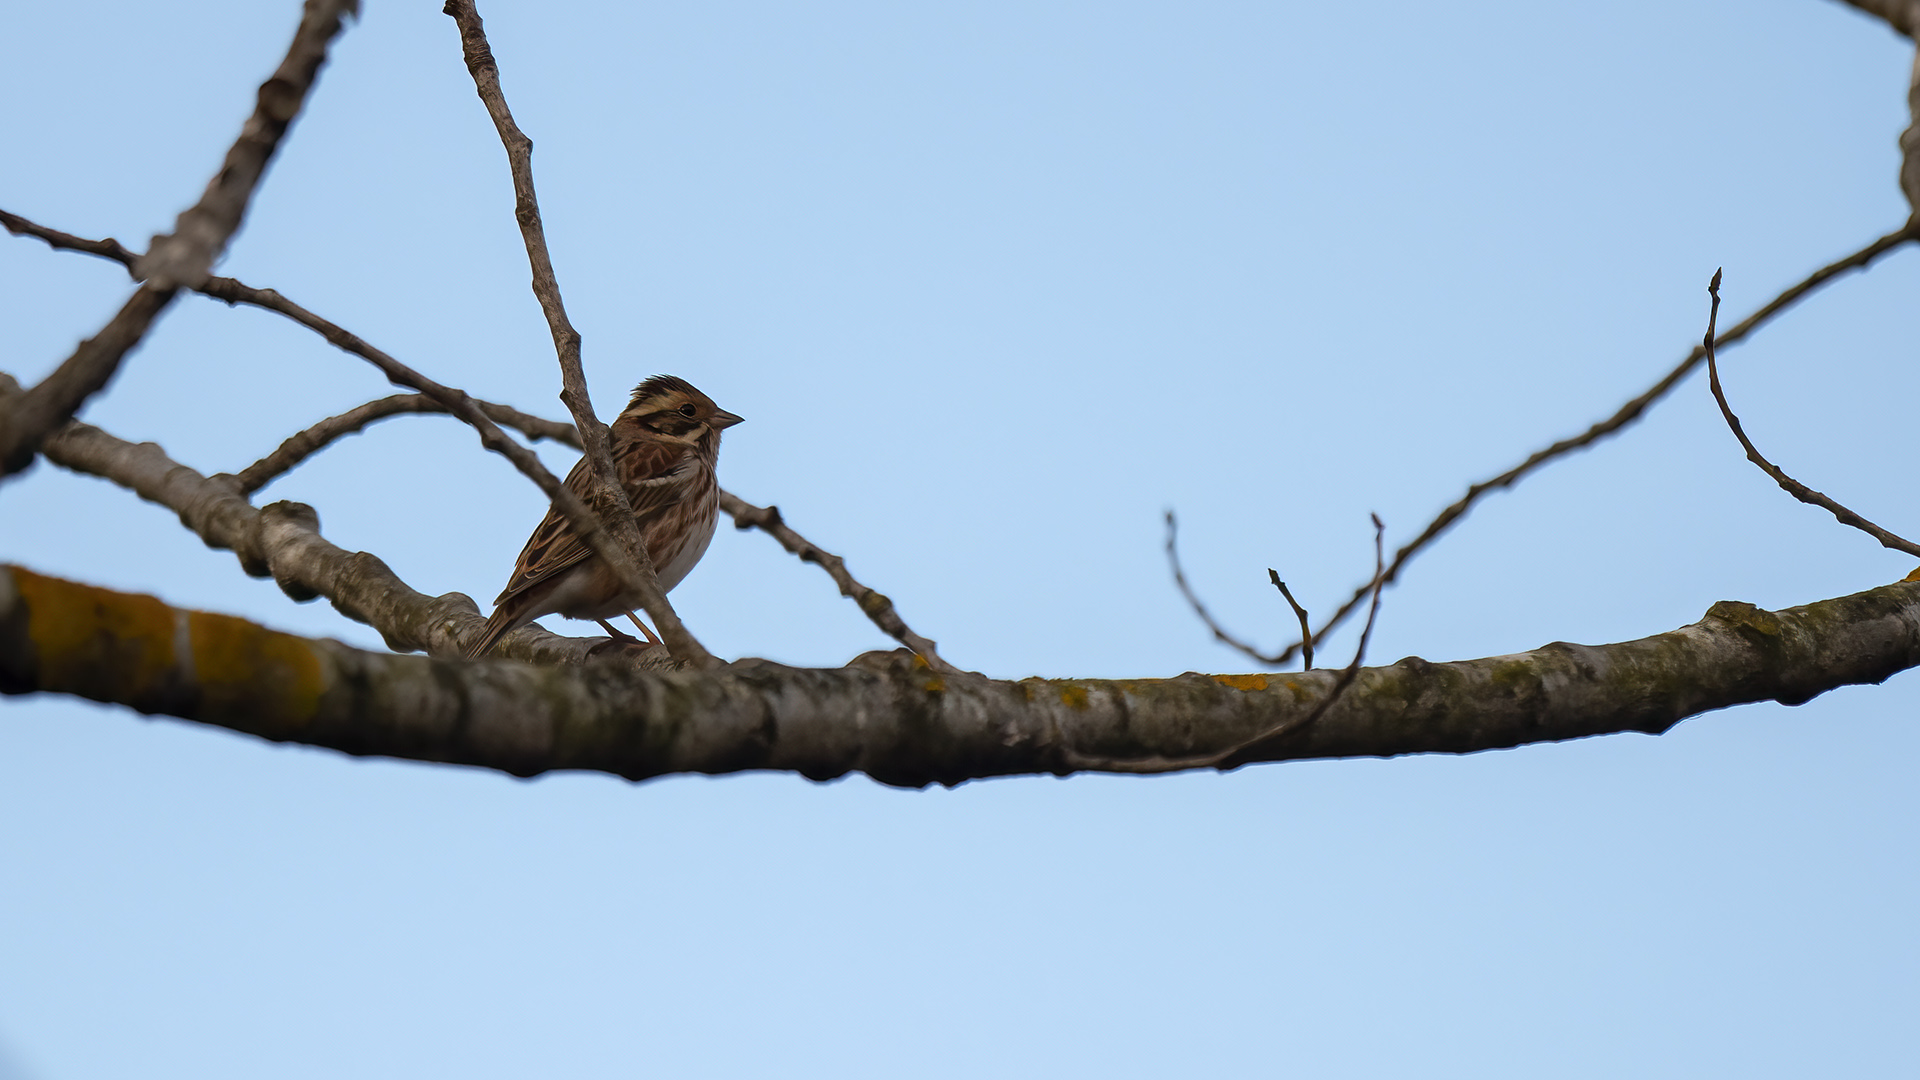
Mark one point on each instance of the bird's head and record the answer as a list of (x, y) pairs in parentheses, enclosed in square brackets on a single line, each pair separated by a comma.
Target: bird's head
[(669, 406)]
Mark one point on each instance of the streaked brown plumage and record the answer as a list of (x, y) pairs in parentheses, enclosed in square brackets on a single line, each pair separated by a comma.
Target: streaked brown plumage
[(665, 444)]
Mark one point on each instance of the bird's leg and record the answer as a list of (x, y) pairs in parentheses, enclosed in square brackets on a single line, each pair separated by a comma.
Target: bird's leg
[(651, 639), (618, 634)]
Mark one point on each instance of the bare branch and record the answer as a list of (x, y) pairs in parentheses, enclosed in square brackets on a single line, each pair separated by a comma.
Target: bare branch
[(282, 541), (1910, 140), (629, 560), (875, 605), (1306, 631), (1359, 651), (1787, 483), (1246, 750), (1902, 15), (81, 375), (182, 257), (1621, 418), (891, 718), (60, 241), (1193, 600), (307, 443)]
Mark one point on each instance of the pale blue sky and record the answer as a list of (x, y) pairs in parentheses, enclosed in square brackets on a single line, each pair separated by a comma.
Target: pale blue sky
[(995, 284)]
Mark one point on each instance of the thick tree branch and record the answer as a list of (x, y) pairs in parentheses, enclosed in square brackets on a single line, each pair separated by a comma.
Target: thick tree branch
[(895, 720), (182, 257), (629, 560)]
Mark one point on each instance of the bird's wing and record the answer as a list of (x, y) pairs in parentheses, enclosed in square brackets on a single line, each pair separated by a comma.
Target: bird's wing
[(554, 547)]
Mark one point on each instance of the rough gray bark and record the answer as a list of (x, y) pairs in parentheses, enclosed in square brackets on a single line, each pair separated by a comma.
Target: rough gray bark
[(891, 717)]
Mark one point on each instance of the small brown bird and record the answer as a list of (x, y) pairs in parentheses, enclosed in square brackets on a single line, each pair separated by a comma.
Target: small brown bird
[(665, 444)]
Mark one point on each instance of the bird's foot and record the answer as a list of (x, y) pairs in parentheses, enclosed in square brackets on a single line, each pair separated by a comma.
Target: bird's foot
[(620, 636), (652, 638)]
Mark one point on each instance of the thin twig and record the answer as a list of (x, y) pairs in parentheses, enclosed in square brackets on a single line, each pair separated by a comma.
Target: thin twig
[(61, 241), (1230, 758), (1235, 756), (629, 560), (1621, 418), (1787, 483), (1219, 632), (876, 605), (1306, 633), (311, 441), (182, 257)]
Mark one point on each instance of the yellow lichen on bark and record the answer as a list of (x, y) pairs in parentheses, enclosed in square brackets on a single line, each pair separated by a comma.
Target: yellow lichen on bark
[(1242, 682), (113, 646), (105, 645), (272, 681)]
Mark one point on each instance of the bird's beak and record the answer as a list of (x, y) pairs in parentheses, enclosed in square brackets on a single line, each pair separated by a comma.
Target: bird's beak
[(722, 419)]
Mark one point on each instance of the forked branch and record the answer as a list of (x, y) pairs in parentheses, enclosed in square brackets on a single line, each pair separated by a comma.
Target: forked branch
[(1249, 749), (179, 259)]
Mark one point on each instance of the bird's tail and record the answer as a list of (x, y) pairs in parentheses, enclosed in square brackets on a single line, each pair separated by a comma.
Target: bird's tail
[(499, 625)]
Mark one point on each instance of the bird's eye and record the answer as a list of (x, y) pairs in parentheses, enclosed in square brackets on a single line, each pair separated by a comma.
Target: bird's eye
[(688, 410)]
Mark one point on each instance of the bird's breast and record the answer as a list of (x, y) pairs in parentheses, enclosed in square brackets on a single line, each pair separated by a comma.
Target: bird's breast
[(672, 566)]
